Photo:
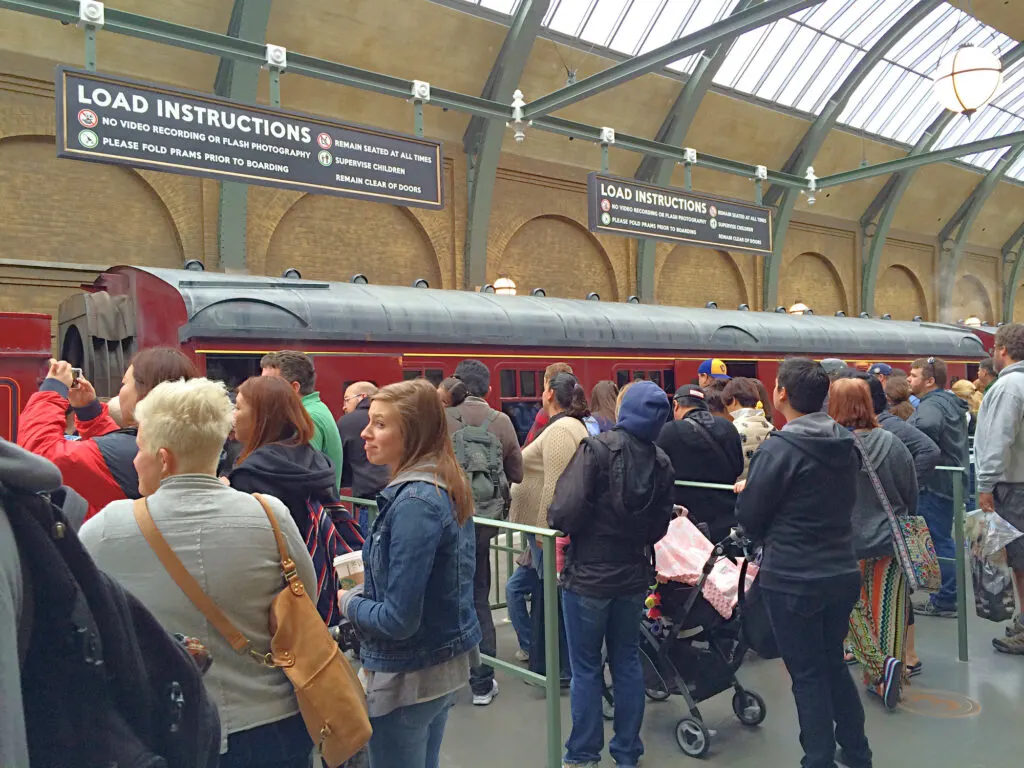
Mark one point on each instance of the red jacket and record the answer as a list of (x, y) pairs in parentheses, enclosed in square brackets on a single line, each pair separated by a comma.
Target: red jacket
[(99, 465)]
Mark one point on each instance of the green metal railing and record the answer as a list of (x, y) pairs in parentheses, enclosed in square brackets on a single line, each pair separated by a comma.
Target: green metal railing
[(549, 681), (960, 557)]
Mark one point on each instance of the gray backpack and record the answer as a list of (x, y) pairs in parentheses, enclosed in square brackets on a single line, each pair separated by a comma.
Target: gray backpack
[(479, 454)]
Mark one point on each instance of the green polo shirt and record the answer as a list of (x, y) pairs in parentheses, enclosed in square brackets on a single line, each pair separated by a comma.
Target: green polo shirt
[(325, 432)]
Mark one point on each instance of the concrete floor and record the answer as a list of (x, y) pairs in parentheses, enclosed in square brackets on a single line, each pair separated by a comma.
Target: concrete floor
[(940, 723)]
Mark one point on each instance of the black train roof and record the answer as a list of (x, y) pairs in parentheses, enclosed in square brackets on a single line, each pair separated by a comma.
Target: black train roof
[(253, 307)]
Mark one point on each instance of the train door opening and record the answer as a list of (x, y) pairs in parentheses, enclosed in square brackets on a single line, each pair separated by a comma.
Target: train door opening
[(741, 368), (520, 397), (663, 377)]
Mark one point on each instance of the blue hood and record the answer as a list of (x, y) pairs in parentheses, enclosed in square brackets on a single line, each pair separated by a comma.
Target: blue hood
[(644, 410)]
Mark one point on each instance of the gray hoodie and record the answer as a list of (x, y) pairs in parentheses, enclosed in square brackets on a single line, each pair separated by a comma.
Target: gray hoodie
[(999, 442), (942, 416), (892, 462)]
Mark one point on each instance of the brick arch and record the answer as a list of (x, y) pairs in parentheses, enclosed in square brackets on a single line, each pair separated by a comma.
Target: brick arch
[(970, 297), (332, 238), (35, 129), (812, 278), (691, 277), (559, 254), (901, 294), (67, 211)]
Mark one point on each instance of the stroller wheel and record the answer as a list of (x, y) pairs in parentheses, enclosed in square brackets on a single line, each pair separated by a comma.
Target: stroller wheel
[(693, 737), (749, 707)]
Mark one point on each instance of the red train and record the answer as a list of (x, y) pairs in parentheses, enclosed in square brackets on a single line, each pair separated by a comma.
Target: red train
[(24, 352), (387, 333)]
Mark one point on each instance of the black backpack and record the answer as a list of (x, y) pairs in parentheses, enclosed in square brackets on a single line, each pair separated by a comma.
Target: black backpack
[(103, 683)]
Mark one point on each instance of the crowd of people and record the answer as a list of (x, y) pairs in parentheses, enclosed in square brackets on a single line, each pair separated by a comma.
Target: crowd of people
[(857, 448)]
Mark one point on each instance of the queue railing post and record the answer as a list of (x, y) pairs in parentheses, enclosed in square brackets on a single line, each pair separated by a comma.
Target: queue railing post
[(959, 559)]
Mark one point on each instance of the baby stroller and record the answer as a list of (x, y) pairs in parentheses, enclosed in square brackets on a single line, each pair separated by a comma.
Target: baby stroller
[(693, 652)]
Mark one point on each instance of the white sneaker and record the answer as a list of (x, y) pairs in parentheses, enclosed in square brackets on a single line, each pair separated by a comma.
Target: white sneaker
[(483, 699), (522, 655)]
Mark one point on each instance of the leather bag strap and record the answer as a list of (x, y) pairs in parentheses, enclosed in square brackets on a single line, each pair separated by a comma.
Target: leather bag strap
[(287, 564), (186, 581)]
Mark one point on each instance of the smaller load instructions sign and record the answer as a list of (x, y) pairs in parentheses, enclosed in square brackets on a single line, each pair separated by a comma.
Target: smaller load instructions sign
[(109, 119), (634, 209)]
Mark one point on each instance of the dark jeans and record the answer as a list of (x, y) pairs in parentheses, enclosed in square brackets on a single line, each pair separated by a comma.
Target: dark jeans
[(810, 630), (410, 737), (591, 624), (481, 679), (284, 744), (938, 513), (363, 518), (519, 592)]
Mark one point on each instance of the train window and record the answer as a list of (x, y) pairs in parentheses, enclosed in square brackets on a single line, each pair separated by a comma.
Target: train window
[(522, 416), (655, 376), (621, 378), (527, 383), (410, 374), (669, 381), (639, 376), (745, 368), (435, 376), (972, 371), (508, 383), (232, 369)]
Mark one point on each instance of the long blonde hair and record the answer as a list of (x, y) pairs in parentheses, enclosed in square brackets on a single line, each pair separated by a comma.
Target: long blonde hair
[(424, 428)]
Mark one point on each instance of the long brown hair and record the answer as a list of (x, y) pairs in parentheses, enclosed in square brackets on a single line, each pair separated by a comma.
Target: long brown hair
[(159, 364), (602, 399), (897, 392), (278, 415), (424, 428), (849, 403)]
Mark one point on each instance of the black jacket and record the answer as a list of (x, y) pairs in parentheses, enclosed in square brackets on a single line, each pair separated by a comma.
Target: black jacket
[(614, 499), (292, 473), (365, 479), (694, 459), (798, 501), (943, 417), (922, 448)]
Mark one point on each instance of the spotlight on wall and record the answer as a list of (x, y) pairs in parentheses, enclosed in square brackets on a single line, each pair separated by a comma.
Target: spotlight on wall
[(505, 286), (808, 311), (292, 274), (840, 313), (865, 315), (593, 296), (360, 279), (633, 300), (887, 316), (1000, 325), (419, 282), (487, 289), (195, 265), (918, 319), (780, 310), (711, 305), (743, 307), (539, 293)]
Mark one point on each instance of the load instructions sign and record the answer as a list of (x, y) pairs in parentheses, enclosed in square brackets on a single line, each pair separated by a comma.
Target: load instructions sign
[(634, 209), (109, 119)]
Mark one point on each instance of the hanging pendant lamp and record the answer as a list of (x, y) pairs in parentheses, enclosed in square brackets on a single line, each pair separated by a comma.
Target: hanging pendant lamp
[(967, 79)]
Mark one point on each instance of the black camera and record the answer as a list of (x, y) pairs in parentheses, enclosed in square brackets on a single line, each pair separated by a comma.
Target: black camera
[(345, 635)]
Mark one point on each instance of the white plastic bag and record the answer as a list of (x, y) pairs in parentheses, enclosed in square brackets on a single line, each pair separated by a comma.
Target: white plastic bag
[(987, 536)]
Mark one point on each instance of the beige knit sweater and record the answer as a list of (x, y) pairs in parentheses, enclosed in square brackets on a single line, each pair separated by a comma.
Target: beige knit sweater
[(544, 460), (754, 428)]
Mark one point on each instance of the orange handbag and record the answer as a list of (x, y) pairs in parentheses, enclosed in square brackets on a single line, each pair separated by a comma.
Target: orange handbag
[(331, 699)]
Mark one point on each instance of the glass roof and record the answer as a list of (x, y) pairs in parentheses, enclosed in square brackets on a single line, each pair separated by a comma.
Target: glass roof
[(799, 61)]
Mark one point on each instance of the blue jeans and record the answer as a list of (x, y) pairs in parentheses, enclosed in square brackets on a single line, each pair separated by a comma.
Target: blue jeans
[(591, 623), (518, 591), (410, 737), (810, 630), (284, 744), (938, 513), (363, 518)]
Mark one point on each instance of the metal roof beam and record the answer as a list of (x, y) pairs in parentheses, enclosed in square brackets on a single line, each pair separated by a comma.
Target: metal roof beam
[(483, 138), (878, 218), (674, 127), (952, 250), (1012, 254), (812, 141), (728, 28)]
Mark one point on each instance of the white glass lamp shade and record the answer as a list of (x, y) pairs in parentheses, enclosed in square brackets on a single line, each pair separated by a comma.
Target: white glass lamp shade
[(505, 286), (798, 309), (967, 79), (973, 322)]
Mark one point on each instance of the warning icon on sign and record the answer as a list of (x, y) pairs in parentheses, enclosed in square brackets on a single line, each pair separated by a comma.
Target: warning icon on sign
[(324, 140), (87, 118), (325, 158)]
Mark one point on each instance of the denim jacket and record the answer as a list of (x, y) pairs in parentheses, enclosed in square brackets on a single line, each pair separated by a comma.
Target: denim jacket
[(416, 609)]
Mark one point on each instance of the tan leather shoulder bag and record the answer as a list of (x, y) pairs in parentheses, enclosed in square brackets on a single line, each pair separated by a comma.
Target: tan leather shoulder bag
[(330, 696)]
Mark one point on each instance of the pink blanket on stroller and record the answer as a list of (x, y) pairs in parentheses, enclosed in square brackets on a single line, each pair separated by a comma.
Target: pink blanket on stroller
[(681, 555)]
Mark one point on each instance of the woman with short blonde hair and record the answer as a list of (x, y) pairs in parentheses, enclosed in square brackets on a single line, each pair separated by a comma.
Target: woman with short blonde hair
[(415, 611), (224, 540)]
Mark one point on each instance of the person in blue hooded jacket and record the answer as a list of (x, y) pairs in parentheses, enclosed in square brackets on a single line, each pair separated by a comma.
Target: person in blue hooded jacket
[(615, 501)]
